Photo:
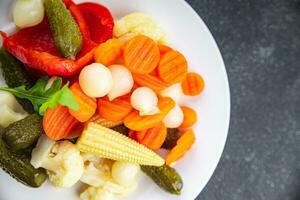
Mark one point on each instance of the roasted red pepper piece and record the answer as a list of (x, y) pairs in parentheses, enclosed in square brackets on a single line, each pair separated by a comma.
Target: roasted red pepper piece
[(88, 44), (99, 21), (35, 47)]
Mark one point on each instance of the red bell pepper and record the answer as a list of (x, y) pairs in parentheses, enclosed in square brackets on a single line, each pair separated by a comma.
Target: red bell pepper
[(35, 46), (99, 21), (88, 44)]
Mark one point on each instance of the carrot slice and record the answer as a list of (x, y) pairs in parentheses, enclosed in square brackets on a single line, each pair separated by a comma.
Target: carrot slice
[(190, 117), (172, 67), (140, 123), (150, 81), (141, 54), (107, 53), (86, 59), (58, 123), (87, 105), (153, 138), (164, 49), (115, 110), (184, 143), (193, 84)]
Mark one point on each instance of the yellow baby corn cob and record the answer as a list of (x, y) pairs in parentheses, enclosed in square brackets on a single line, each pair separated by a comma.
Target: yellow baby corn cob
[(110, 144), (104, 122)]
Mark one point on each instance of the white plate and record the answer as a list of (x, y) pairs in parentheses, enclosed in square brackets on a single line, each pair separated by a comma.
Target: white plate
[(190, 36)]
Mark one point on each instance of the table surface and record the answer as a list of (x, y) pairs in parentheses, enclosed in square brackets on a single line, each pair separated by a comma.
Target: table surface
[(260, 44)]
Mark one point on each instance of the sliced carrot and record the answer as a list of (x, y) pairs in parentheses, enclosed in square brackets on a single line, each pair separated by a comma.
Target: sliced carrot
[(190, 117), (193, 84), (184, 143), (154, 72), (107, 53), (150, 81), (172, 67), (115, 110), (164, 49), (58, 123), (141, 54), (86, 59), (87, 105), (153, 138), (140, 123)]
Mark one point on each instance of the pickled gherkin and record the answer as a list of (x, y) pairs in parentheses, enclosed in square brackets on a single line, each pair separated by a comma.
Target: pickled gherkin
[(24, 133), (18, 166), (15, 74), (165, 177)]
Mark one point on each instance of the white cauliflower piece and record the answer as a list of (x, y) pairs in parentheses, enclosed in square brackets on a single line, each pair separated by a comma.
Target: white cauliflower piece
[(139, 23), (97, 171), (10, 110), (8, 116), (92, 193), (41, 151), (64, 164), (125, 173), (108, 191)]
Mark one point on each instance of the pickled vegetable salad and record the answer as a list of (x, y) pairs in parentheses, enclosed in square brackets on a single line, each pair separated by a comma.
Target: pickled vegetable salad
[(92, 100)]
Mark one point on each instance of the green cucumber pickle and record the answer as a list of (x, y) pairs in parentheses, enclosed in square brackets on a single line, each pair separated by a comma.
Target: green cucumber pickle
[(65, 31), (15, 74), (165, 177)]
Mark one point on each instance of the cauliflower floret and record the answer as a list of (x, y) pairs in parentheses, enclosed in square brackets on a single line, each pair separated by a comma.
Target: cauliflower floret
[(92, 193), (139, 23), (97, 171), (125, 173), (108, 191), (107, 178), (64, 163), (10, 110)]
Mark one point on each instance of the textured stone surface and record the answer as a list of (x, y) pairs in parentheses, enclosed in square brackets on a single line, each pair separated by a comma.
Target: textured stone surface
[(260, 44)]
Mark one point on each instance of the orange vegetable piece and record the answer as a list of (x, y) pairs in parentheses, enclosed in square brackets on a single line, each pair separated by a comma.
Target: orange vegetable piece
[(190, 117), (115, 110), (193, 84), (153, 138), (86, 59), (107, 53), (87, 105), (164, 49), (184, 143), (140, 123), (141, 54), (58, 123), (172, 67), (150, 81)]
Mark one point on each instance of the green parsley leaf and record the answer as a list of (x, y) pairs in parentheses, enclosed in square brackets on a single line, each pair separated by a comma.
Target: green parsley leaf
[(41, 98)]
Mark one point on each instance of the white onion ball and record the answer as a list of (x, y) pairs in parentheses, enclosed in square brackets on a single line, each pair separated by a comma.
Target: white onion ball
[(174, 91), (27, 13), (95, 80), (122, 81), (174, 118), (144, 100)]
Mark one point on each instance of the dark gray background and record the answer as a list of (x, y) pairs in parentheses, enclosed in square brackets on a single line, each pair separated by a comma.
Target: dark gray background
[(260, 44)]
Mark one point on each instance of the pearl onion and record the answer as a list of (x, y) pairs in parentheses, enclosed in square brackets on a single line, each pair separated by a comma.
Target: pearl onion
[(27, 13), (174, 91), (95, 80), (174, 118), (122, 81), (144, 100)]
